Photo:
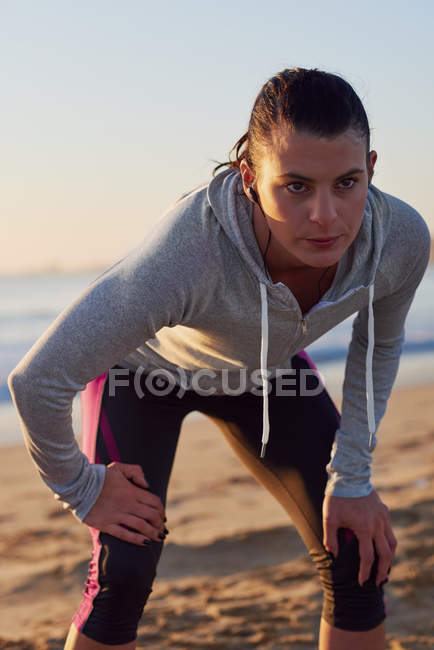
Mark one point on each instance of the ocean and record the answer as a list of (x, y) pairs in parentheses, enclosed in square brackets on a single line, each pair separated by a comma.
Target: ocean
[(30, 303)]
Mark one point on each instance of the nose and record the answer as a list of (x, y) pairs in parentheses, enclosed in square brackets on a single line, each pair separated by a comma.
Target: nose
[(323, 210)]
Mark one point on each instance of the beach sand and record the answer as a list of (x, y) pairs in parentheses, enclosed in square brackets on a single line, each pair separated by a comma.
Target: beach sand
[(234, 573)]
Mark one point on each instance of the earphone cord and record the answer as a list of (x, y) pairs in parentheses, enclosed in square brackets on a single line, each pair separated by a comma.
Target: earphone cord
[(265, 253)]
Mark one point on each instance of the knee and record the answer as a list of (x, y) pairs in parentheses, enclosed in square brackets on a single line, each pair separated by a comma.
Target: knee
[(347, 605), (126, 568), (117, 590)]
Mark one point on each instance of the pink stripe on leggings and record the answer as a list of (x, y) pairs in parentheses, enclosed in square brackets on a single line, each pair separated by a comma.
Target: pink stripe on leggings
[(108, 436), (91, 398), (90, 408), (92, 583)]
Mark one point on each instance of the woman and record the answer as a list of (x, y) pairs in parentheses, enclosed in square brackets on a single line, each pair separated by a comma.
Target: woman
[(211, 312)]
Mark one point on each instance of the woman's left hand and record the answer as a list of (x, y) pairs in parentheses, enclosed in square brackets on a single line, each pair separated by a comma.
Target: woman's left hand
[(369, 519)]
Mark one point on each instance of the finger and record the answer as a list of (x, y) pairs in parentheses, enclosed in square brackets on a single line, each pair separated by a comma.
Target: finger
[(330, 537), (393, 542), (366, 553), (384, 557), (152, 500), (128, 535), (143, 526), (134, 473), (146, 512)]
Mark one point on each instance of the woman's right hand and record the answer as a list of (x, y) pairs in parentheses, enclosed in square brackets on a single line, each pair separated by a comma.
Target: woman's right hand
[(125, 508)]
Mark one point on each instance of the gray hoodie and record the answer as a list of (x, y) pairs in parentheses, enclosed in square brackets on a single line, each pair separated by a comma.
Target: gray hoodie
[(194, 295)]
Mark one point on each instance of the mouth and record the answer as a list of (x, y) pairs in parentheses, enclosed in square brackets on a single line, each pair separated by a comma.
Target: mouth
[(323, 238), (324, 241)]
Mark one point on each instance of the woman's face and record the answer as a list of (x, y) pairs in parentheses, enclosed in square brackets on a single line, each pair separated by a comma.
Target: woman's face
[(310, 189)]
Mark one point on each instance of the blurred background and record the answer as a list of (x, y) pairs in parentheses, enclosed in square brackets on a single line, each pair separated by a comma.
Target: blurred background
[(111, 110)]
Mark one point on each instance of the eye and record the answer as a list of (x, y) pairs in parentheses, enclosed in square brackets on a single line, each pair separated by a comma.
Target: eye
[(292, 191), (353, 181)]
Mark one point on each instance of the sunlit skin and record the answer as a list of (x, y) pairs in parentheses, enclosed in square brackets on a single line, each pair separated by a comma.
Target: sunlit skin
[(298, 211)]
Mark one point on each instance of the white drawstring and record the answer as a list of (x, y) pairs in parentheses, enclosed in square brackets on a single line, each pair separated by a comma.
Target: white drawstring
[(264, 368), (368, 364), (369, 380)]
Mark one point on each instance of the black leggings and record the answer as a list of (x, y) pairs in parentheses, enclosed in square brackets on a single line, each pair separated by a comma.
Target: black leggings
[(145, 430)]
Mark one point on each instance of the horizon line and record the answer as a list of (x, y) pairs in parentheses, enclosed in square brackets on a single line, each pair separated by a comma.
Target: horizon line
[(57, 269)]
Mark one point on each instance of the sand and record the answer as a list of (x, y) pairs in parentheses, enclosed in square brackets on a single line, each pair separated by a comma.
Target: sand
[(234, 573)]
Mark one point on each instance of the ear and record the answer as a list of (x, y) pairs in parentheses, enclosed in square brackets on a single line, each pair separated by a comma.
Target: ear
[(372, 161), (248, 177)]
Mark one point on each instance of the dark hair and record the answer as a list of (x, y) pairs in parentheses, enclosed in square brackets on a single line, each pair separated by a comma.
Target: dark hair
[(310, 101)]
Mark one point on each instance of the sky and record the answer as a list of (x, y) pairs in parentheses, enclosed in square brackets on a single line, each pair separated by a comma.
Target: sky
[(112, 110)]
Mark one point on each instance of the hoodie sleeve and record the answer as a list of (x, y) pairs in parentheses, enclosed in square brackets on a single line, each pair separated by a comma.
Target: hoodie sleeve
[(349, 467), (157, 284)]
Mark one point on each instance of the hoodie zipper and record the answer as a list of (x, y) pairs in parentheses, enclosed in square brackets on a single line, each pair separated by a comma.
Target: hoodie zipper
[(347, 295)]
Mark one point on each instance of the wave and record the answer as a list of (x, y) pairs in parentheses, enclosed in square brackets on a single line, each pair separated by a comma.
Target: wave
[(26, 315), (339, 352)]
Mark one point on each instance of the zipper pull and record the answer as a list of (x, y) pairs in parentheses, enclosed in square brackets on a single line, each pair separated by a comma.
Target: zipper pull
[(304, 325)]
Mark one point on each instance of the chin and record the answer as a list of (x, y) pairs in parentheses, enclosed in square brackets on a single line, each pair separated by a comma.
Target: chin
[(326, 256), (323, 258)]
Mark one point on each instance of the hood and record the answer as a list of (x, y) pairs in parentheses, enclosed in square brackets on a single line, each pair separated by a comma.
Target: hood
[(356, 268)]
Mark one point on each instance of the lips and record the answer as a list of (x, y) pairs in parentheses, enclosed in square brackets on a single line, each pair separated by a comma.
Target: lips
[(323, 243), (324, 239)]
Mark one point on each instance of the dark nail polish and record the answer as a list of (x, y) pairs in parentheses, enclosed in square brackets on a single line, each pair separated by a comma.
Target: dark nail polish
[(161, 535), (165, 519), (165, 531), (147, 542)]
